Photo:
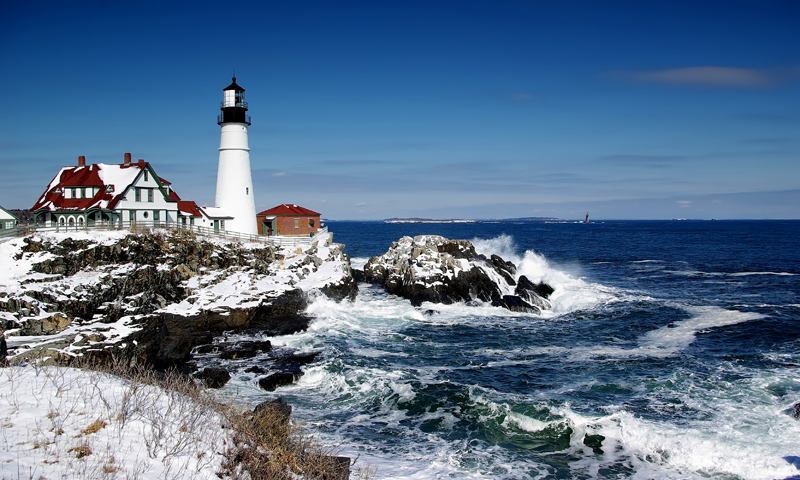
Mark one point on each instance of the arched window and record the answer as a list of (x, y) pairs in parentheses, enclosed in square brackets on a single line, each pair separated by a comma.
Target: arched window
[(71, 221), (61, 221), (80, 221)]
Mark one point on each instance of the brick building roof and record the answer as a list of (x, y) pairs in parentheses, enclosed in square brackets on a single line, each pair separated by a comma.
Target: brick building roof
[(291, 210)]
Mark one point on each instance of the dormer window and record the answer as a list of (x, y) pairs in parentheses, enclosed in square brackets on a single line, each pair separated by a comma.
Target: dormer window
[(58, 190), (145, 175), (109, 188)]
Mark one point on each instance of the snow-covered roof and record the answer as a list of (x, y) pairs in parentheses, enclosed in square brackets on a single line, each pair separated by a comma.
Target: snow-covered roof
[(215, 212), (111, 181), (289, 209), (6, 215)]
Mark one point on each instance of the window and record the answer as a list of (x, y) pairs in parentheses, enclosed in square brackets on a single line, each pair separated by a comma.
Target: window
[(150, 195), (296, 223), (155, 215), (61, 221), (138, 194), (311, 222), (132, 215), (72, 192), (144, 214), (247, 190), (145, 174)]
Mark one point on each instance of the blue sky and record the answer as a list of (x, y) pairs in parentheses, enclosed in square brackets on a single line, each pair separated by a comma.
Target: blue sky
[(378, 109)]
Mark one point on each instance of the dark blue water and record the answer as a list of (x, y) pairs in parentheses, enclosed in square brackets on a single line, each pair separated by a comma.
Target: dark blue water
[(672, 351)]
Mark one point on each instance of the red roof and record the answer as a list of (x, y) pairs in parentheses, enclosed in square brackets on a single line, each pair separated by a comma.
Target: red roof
[(292, 210), (187, 206), (111, 182)]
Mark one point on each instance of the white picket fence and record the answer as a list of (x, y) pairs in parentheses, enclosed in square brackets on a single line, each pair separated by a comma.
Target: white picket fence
[(276, 240)]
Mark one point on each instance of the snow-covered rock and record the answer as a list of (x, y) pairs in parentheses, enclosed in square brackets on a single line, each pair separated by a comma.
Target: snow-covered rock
[(431, 268), (154, 295)]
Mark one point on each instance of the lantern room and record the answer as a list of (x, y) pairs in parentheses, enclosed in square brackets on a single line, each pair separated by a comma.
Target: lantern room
[(233, 106)]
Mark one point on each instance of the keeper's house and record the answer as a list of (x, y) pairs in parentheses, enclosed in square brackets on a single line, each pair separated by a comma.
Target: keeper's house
[(8, 223), (288, 220), (114, 194)]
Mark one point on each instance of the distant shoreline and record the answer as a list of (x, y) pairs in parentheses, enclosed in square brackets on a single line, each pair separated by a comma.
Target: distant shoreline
[(430, 220)]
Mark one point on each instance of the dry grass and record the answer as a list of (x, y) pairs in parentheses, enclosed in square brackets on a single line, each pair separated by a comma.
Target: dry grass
[(94, 427)]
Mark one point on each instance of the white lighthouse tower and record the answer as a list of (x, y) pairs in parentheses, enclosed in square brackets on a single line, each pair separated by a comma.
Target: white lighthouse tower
[(234, 181)]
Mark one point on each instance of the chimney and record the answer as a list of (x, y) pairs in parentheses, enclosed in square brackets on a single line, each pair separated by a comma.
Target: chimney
[(141, 162), (81, 161), (127, 159)]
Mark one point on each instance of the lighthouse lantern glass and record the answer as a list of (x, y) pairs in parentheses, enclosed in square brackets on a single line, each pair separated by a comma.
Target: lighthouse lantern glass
[(230, 98), (239, 98)]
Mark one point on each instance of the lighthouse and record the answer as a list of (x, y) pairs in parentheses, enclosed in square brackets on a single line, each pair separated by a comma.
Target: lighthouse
[(234, 181)]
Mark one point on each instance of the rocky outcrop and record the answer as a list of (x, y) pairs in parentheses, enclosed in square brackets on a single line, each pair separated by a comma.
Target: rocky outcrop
[(431, 268), (153, 297)]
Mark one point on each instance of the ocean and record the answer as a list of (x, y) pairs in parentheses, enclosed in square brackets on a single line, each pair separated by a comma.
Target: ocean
[(672, 351)]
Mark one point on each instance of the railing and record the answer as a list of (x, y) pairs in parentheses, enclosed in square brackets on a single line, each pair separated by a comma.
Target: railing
[(8, 232), (238, 103), (275, 240)]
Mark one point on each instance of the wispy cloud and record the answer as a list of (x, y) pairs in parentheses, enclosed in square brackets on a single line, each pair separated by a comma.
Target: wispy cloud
[(279, 174), (712, 76)]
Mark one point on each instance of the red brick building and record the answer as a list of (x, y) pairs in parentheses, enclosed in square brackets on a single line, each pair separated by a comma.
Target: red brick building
[(290, 220)]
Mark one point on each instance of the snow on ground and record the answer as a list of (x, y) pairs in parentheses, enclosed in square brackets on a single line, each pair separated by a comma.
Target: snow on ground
[(58, 422)]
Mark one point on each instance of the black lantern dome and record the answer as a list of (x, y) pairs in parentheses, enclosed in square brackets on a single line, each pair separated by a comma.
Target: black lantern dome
[(233, 106)]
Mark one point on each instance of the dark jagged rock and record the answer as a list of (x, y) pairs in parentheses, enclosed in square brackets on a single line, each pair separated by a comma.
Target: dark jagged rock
[(595, 442), (288, 304), (534, 294), (287, 369), (515, 304), (431, 268), (279, 379), (214, 377), (358, 275), (795, 413)]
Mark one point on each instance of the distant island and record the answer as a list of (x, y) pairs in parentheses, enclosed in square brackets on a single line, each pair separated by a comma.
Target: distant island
[(429, 220), (426, 220)]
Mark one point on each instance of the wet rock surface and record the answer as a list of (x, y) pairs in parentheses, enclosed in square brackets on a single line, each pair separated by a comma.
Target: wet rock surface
[(431, 268)]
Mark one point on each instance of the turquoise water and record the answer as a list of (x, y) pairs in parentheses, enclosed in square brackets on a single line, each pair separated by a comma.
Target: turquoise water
[(672, 351)]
